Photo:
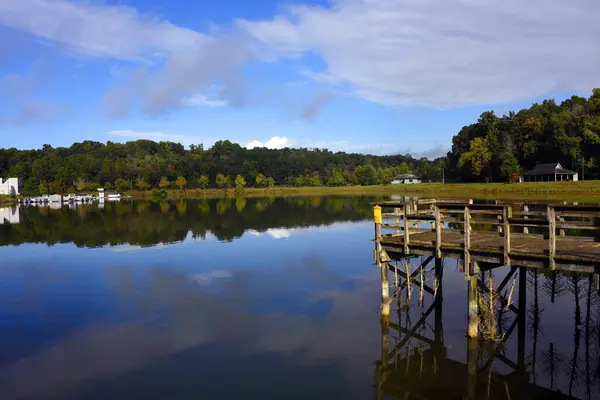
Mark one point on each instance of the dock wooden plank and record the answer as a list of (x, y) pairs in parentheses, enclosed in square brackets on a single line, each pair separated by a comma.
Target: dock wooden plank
[(523, 244)]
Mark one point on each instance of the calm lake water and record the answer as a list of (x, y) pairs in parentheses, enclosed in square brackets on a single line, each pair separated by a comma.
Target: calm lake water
[(260, 299)]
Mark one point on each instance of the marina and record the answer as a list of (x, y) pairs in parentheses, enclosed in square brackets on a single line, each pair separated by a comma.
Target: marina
[(57, 200)]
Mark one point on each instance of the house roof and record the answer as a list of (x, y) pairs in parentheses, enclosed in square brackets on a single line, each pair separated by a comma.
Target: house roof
[(407, 176), (549, 169)]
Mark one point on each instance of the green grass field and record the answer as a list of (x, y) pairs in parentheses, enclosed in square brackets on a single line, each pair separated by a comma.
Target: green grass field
[(573, 191)]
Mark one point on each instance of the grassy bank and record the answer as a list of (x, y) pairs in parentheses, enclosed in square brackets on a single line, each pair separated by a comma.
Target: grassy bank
[(574, 191)]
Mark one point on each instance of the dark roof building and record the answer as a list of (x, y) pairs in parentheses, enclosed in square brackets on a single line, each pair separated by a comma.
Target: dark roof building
[(407, 178), (550, 172)]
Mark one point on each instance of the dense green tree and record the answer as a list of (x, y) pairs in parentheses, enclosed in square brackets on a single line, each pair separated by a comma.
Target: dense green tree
[(203, 181), (271, 182), (141, 183), (121, 185), (366, 175), (240, 182), (164, 183), (43, 188), (222, 181), (261, 180), (181, 182), (31, 187), (404, 168), (336, 178), (478, 156), (315, 181)]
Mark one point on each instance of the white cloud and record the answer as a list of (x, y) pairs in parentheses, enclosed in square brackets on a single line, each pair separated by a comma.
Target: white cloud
[(200, 100), (170, 64), (444, 52), (208, 277), (275, 233), (275, 142), (99, 30), (128, 248), (394, 52)]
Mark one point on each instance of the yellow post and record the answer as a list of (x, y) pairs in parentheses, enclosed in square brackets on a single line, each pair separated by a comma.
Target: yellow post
[(377, 214)]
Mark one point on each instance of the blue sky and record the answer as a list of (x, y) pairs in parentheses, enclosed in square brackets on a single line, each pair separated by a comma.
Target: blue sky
[(379, 76)]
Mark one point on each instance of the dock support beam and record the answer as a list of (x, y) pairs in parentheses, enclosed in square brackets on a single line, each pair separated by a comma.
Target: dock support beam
[(473, 323), (507, 213), (406, 230), (438, 232), (383, 267), (467, 229), (552, 237)]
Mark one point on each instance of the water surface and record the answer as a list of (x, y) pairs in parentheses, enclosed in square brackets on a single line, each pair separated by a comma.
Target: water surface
[(254, 298)]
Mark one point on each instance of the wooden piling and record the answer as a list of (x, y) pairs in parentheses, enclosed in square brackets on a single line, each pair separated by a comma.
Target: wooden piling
[(438, 231), (526, 209), (467, 229), (406, 231), (397, 212), (506, 214), (383, 267), (499, 218), (552, 237), (473, 322)]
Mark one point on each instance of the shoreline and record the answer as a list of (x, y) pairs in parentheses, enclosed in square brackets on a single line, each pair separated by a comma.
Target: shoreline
[(574, 191), (568, 191)]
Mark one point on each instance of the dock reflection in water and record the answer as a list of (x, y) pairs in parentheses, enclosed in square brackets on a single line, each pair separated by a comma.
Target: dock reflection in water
[(539, 336)]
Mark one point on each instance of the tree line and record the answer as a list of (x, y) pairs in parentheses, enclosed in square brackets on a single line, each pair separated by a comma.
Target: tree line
[(500, 148), (144, 165), (492, 149)]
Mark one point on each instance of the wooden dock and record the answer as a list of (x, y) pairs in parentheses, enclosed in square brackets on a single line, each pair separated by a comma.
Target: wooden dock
[(552, 236)]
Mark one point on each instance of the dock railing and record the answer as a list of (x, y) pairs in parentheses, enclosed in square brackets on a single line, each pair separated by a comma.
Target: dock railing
[(574, 222)]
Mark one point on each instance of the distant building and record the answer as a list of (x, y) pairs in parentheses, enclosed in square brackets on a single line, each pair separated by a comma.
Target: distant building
[(10, 186), (551, 172), (407, 178)]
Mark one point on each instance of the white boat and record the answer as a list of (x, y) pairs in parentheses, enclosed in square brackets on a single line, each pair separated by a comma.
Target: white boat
[(114, 197)]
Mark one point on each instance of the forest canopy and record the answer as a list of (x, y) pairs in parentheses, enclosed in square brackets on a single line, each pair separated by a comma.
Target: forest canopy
[(498, 148), (144, 164)]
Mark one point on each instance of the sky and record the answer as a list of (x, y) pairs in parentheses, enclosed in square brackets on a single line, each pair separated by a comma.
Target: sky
[(372, 76)]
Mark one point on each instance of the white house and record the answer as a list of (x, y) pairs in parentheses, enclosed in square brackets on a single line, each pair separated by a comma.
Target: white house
[(406, 178), (10, 186)]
